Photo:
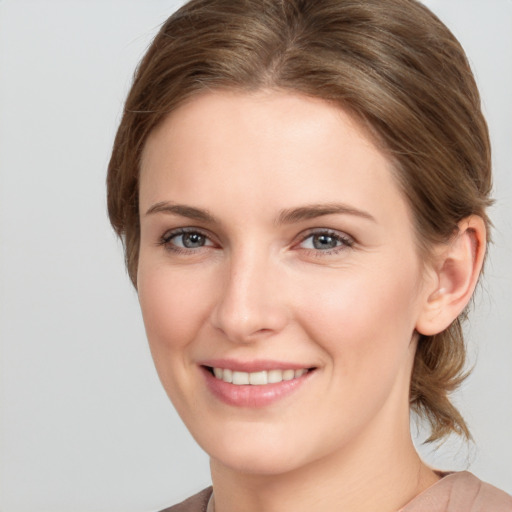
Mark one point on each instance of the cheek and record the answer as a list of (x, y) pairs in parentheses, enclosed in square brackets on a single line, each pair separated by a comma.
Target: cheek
[(365, 319), (174, 306)]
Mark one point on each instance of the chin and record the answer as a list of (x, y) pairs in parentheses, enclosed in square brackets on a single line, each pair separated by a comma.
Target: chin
[(258, 450), (257, 462)]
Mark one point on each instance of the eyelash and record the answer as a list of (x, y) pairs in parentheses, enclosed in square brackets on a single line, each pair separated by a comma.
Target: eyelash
[(344, 241), (169, 236)]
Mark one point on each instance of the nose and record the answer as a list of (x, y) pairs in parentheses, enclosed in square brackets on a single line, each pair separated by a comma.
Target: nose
[(251, 303)]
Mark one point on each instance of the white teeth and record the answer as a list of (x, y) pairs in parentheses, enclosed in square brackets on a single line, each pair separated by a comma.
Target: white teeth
[(240, 378), (275, 376), (288, 374), (257, 378), (227, 375)]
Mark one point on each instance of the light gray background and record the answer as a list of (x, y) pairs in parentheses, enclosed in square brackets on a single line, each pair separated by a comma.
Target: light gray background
[(84, 424)]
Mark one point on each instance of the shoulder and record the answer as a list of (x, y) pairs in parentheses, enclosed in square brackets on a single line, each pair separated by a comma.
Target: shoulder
[(484, 497), (461, 492), (196, 503)]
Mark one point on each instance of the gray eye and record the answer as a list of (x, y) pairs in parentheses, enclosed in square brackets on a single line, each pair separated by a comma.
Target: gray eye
[(190, 240), (324, 241)]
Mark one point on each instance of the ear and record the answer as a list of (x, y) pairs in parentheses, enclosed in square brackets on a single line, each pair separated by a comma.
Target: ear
[(455, 271)]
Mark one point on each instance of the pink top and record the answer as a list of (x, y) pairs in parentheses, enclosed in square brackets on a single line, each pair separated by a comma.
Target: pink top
[(460, 492), (456, 492)]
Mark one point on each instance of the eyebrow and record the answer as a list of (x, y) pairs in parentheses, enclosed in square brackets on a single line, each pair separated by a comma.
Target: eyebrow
[(182, 210), (313, 211), (288, 216)]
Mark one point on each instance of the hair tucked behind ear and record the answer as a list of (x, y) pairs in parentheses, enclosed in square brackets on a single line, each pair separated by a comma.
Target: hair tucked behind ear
[(391, 63)]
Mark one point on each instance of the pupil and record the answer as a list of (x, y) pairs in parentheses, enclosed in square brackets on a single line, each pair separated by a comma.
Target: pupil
[(324, 242), (192, 240)]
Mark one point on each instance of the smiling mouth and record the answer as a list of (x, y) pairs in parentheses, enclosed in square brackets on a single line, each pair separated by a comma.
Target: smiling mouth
[(260, 378)]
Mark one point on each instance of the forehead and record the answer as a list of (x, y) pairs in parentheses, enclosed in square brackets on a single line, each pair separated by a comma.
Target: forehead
[(266, 149), (228, 117)]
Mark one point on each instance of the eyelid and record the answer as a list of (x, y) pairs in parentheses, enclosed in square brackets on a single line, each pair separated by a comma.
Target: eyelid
[(346, 240), (166, 239)]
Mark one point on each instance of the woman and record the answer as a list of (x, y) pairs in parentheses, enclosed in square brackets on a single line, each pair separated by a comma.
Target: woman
[(301, 188)]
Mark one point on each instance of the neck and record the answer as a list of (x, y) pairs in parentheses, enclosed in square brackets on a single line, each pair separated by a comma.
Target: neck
[(375, 473)]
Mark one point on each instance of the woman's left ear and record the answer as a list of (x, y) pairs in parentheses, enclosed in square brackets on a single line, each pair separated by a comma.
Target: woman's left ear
[(455, 271)]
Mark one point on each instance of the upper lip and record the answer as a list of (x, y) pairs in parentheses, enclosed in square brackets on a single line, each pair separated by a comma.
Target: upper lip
[(256, 365)]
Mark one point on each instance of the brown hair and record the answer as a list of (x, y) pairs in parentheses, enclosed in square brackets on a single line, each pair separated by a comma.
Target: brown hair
[(391, 63)]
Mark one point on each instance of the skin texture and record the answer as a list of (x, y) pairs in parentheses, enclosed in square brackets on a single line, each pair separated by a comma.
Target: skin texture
[(258, 288)]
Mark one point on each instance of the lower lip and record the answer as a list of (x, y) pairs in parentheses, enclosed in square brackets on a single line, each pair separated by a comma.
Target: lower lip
[(249, 395)]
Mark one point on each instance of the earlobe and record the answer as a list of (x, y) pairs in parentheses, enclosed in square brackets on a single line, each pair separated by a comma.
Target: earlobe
[(457, 269)]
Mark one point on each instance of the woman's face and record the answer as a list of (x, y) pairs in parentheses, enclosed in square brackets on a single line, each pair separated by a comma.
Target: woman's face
[(279, 280)]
